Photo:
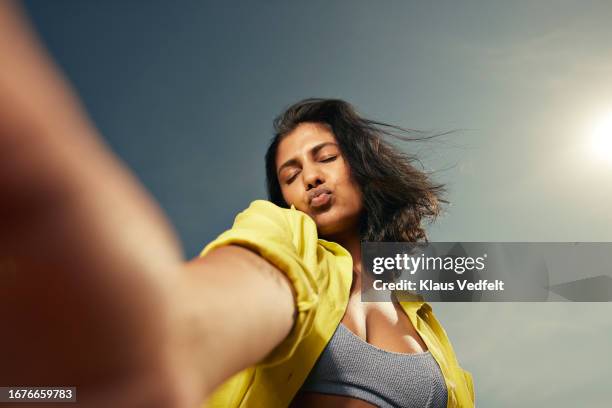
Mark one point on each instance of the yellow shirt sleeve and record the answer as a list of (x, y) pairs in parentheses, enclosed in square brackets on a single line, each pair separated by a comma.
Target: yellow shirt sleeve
[(286, 238)]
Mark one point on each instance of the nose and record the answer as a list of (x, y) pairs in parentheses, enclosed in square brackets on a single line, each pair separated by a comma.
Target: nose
[(312, 177)]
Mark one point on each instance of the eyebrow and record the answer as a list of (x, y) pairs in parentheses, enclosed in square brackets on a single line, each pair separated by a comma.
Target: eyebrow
[(313, 151)]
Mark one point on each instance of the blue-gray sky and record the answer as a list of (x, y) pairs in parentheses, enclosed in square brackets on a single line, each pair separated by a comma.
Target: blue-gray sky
[(185, 93)]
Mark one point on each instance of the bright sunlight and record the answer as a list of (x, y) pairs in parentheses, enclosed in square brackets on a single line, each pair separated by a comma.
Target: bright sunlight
[(601, 138)]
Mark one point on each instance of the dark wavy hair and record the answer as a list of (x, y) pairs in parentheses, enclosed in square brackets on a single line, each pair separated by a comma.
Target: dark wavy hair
[(397, 196)]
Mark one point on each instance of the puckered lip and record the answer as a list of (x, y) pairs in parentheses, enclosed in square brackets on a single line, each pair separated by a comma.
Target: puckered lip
[(317, 192)]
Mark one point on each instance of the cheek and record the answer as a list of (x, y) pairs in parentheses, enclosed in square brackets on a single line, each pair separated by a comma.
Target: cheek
[(290, 195), (355, 200), (352, 191), (352, 199)]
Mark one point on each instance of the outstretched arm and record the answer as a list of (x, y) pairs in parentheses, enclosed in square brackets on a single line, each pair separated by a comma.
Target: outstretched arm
[(94, 291)]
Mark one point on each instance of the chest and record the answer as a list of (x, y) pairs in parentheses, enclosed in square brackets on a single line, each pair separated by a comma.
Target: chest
[(384, 325)]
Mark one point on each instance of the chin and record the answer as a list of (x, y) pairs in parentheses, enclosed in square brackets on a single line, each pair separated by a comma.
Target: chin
[(329, 223), (324, 226)]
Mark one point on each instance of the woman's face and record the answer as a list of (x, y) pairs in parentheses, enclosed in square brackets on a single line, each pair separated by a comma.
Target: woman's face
[(315, 177)]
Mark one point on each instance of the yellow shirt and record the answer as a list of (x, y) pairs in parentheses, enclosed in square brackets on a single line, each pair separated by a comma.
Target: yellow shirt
[(321, 273)]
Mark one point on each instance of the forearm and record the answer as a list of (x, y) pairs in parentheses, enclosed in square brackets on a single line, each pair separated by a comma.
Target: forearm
[(235, 308)]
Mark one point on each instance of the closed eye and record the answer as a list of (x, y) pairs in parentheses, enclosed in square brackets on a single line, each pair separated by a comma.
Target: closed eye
[(290, 179), (329, 159)]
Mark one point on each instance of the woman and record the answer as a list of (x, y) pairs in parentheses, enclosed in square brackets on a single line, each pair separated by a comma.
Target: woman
[(333, 182), (95, 291)]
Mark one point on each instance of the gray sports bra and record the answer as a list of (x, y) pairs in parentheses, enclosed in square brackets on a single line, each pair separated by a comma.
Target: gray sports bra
[(351, 367)]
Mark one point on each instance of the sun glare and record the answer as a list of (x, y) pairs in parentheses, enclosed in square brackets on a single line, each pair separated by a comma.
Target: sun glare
[(601, 142)]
